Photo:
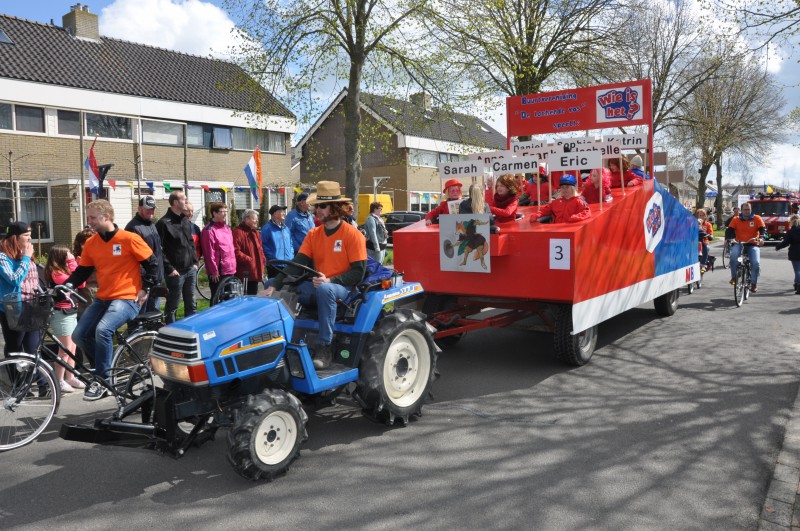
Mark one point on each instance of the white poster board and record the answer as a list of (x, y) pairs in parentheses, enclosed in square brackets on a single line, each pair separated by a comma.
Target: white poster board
[(464, 243)]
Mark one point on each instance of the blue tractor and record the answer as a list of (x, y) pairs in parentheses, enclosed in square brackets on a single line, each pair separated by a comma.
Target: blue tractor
[(245, 365)]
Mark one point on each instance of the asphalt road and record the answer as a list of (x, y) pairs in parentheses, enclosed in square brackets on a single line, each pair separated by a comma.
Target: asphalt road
[(675, 424)]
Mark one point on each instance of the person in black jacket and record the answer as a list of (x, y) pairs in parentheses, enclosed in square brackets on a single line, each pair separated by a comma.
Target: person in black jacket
[(143, 225), (792, 240), (180, 258)]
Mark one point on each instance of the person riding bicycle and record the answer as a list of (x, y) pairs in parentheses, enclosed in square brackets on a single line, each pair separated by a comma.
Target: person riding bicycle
[(748, 229), (339, 252), (126, 267)]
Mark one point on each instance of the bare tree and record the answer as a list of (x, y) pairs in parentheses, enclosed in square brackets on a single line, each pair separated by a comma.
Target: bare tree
[(514, 47), (297, 48), (662, 41), (770, 21), (735, 112)]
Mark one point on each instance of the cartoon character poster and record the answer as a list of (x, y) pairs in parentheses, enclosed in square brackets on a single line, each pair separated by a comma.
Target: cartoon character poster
[(464, 243)]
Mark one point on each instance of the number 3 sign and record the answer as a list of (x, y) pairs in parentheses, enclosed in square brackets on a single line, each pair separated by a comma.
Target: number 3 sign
[(559, 254)]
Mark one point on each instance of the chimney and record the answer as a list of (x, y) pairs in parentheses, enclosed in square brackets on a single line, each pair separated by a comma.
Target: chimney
[(422, 99), (80, 23)]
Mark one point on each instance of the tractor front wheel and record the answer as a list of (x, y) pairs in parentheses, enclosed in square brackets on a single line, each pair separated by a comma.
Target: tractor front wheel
[(266, 435), (397, 369)]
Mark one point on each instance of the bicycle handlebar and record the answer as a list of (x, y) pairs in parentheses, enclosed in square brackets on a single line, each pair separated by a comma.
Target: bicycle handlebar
[(66, 289)]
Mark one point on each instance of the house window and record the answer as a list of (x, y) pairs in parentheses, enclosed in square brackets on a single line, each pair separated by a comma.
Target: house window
[(222, 138), (4, 38), (6, 122), (109, 126), (33, 208), (241, 199), (199, 135), (423, 201), (162, 133), (421, 157), (248, 139), (69, 122), (29, 118)]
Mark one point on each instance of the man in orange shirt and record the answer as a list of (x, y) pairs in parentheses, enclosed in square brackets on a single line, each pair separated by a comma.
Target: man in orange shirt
[(116, 255), (749, 230), (339, 252)]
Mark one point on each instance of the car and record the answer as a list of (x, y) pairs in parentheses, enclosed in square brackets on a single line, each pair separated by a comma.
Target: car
[(401, 218)]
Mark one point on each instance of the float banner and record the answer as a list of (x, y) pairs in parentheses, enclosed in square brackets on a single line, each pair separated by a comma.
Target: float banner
[(575, 161), (467, 168), (598, 107), (515, 165), (629, 141)]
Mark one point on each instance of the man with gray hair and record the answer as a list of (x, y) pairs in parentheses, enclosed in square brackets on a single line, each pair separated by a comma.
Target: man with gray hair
[(249, 252)]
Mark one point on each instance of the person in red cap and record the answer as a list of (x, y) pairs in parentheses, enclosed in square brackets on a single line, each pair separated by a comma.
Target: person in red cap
[(531, 194), (452, 189), (569, 208)]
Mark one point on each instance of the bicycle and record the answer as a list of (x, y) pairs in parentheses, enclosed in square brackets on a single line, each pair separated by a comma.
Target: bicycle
[(29, 392), (726, 254), (741, 288), (201, 284)]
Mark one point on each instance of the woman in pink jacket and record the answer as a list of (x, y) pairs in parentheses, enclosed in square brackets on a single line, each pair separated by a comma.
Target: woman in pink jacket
[(218, 250)]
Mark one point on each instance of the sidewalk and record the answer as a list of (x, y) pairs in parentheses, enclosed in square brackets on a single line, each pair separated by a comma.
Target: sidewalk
[(781, 510)]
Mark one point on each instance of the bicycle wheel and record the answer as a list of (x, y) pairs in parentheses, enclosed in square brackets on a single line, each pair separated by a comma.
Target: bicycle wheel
[(130, 365), (24, 416), (747, 280), (726, 256), (201, 284), (228, 289), (738, 289)]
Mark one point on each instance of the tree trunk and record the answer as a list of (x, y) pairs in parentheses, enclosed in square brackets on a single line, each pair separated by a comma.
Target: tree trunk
[(352, 131), (701, 186)]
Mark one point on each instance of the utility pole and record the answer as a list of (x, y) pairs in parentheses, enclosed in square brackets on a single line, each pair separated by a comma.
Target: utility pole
[(376, 181)]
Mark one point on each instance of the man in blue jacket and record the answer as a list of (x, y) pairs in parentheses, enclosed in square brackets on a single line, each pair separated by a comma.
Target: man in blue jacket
[(299, 221), (276, 240)]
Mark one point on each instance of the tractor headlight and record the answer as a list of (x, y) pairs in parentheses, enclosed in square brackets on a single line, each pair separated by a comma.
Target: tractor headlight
[(193, 374)]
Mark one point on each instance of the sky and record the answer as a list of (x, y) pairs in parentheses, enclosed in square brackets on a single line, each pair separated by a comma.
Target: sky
[(202, 27)]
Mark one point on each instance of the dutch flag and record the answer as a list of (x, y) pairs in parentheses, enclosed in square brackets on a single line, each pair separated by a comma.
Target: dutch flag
[(94, 172), (253, 172)]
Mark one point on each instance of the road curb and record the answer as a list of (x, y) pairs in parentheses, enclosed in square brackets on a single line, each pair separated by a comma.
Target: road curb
[(781, 508)]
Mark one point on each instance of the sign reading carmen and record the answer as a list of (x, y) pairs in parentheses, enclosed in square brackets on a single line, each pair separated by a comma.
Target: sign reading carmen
[(595, 107)]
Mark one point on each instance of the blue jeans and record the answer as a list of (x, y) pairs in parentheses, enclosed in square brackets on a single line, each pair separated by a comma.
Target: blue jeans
[(95, 331), (324, 298), (796, 266), (704, 253), (754, 253), (181, 285)]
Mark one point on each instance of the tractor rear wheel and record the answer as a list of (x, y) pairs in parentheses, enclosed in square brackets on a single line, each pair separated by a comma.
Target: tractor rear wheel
[(572, 349), (266, 435), (398, 368)]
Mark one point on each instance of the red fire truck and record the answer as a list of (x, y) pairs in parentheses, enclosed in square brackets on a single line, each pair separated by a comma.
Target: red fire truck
[(775, 210)]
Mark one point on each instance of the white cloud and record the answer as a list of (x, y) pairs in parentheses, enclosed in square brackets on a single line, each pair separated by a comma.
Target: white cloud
[(190, 26)]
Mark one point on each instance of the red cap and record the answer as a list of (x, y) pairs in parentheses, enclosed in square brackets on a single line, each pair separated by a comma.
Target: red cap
[(449, 183)]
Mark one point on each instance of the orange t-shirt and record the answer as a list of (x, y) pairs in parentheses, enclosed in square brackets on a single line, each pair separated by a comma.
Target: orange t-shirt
[(746, 228), (117, 265), (333, 254)]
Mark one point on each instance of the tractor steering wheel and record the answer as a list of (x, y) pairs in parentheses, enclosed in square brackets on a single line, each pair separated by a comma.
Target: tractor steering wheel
[(307, 274)]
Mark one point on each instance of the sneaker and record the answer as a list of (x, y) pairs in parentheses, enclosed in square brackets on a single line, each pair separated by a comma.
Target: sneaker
[(733, 282), (76, 384), (65, 387), (702, 270), (94, 392), (323, 355), (753, 288)]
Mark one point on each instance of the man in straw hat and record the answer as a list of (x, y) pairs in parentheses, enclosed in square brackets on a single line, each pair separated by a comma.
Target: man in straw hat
[(339, 252)]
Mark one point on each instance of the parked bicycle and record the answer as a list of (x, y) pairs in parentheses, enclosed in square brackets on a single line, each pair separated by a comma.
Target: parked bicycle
[(29, 391), (201, 285), (726, 254)]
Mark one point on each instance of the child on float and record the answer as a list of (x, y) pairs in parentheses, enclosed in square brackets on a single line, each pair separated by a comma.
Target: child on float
[(706, 234), (617, 174), (452, 189), (591, 186), (537, 194), (475, 203), (568, 208), (60, 265), (637, 168), (503, 202)]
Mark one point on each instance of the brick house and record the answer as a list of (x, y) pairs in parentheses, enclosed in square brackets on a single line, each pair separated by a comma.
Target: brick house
[(403, 140), (166, 120)]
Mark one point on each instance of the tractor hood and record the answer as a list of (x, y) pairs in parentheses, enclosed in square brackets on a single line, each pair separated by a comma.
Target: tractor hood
[(235, 326)]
